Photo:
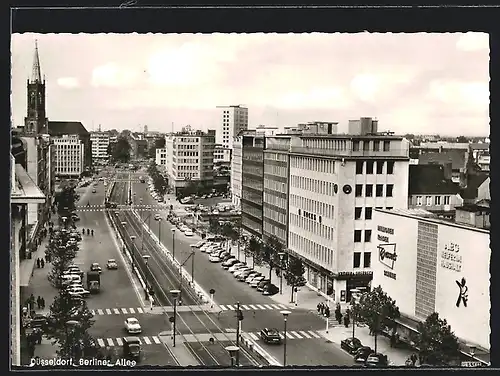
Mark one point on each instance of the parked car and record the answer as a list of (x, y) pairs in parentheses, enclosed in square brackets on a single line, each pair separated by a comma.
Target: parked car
[(362, 354), (243, 275), (132, 325), (251, 277), (255, 282), (226, 256), (214, 258), (351, 345), (229, 262), (377, 360), (200, 244), (188, 232), (111, 264), (94, 190), (236, 266), (78, 291), (241, 270), (95, 267), (262, 284), (270, 290), (270, 335)]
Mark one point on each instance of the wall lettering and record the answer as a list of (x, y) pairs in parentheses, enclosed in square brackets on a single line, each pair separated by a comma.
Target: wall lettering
[(462, 294), (387, 230), (383, 238), (390, 274), (451, 258), (387, 254)]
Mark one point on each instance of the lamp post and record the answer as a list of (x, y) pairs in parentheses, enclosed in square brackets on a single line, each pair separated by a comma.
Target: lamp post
[(239, 319), (281, 256), (233, 353), (64, 221), (173, 242), (148, 295), (354, 293), (159, 230), (71, 324), (285, 319), (142, 231), (175, 294), (132, 249), (192, 262)]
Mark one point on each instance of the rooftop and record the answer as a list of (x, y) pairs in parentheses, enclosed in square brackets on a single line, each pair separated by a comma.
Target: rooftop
[(430, 179), (474, 181), (457, 157), (25, 191), (58, 128)]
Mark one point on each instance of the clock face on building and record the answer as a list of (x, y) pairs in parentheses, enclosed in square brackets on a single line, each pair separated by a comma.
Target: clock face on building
[(347, 189)]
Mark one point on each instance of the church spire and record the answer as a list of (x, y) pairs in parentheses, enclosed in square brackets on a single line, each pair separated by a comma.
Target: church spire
[(36, 75)]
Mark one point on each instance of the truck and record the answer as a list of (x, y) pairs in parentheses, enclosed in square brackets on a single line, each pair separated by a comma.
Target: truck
[(93, 282)]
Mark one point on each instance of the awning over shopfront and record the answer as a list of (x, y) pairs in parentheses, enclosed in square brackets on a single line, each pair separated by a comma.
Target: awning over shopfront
[(25, 190)]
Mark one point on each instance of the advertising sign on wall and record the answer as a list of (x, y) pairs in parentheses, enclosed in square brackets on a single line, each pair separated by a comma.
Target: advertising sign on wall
[(387, 251)]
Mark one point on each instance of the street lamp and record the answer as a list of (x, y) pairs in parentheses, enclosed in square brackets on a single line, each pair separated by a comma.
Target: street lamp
[(285, 318), (175, 294), (192, 262), (173, 242), (70, 324), (233, 353), (64, 221), (354, 293), (132, 249), (281, 256)]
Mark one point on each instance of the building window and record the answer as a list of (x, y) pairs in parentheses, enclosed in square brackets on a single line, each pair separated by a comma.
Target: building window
[(389, 207), (446, 200), (357, 260), (359, 190), (419, 200), (379, 190), (359, 167), (368, 213), (357, 236), (355, 146), (376, 145), (357, 213), (437, 200), (390, 167), (369, 190), (428, 200), (369, 167), (368, 236), (387, 145), (389, 189), (367, 262), (366, 145), (380, 167)]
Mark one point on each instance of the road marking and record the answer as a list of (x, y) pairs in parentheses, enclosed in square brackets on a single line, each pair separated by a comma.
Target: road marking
[(288, 335), (252, 306), (268, 306), (110, 342), (119, 341), (124, 310), (314, 334), (108, 311), (100, 312), (230, 307), (254, 336), (140, 342), (139, 310), (275, 306), (223, 308), (148, 342), (296, 334), (304, 334), (260, 306), (101, 342), (156, 340), (282, 306), (131, 310), (245, 307), (115, 310)]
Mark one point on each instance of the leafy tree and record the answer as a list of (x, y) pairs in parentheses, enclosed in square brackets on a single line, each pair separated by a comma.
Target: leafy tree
[(160, 143), (462, 139), (294, 271), (270, 254), (160, 184), (65, 200), (436, 342), (61, 254), (214, 226), (255, 250), (121, 150), (377, 310)]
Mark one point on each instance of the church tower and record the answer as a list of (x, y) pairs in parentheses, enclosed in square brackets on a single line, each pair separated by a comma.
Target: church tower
[(35, 121)]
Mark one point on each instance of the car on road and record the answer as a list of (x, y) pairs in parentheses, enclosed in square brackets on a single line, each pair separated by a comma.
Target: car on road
[(270, 290), (214, 258), (351, 345), (200, 244), (262, 284), (157, 216), (95, 267), (270, 335), (243, 275), (94, 190), (132, 325), (75, 217), (226, 256), (256, 280), (362, 354), (78, 291), (242, 270), (229, 262), (377, 360), (71, 285), (131, 348), (188, 232), (111, 264)]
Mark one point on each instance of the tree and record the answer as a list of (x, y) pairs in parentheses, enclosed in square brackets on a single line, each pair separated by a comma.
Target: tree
[(121, 150), (462, 139), (377, 310), (61, 253), (65, 200), (160, 184), (255, 250), (271, 251), (293, 273), (436, 342), (214, 226)]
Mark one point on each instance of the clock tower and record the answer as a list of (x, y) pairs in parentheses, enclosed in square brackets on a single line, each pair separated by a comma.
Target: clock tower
[(35, 122)]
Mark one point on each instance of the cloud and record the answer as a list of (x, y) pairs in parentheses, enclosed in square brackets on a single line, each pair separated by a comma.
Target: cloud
[(473, 42), (318, 97), (114, 76), (468, 94), (68, 82)]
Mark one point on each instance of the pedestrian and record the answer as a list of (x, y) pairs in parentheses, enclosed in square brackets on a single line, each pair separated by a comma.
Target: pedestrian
[(31, 301), (346, 321), (318, 307), (413, 359), (92, 232), (38, 302), (327, 312), (42, 262), (43, 302), (38, 263)]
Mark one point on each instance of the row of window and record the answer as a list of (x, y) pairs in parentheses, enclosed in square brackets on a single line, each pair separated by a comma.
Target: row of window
[(379, 190), (324, 209), (313, 185), (274, 215), (187, 154), (271, 229), (187, 175), (253, 197), (359, 210), (253, 184), (187, 167), (275, 185), (275, 200), (312, 226), (311, 249), (437, 200), (313, 164), (248, 209), (255, 157), (321, 143), (375, 145), (252, 169), (186, 147), (358, 236), (367, 167), (276, 170), (187, 160), (367, 260), (276, 156)]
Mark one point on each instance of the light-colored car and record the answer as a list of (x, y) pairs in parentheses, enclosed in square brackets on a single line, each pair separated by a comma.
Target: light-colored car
[(157, 216), (95, 267), (242, 276), (251, 276), (132, 326), (229, 262), (237, 266), (111, 264), (256, 281), (71, 285), (241, 270), (214, 258), (188, 233), (215, 212), (78, 291)]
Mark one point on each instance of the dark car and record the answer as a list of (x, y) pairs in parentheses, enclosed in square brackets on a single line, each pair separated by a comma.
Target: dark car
[(351, 345), (226, 257), (270, 290), (263, 284), (377, 360), (362, 354), (75, 217), (270, 335)]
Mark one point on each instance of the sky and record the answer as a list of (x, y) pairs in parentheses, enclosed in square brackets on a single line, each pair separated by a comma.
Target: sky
[(418, 83)]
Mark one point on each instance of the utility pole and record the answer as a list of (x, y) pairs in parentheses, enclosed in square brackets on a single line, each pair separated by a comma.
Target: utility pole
[(239, 318)]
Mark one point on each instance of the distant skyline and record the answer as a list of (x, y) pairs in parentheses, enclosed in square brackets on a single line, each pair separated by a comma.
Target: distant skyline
[(412, 83)]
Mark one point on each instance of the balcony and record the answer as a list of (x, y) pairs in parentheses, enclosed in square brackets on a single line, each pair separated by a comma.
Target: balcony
[(393, 153)]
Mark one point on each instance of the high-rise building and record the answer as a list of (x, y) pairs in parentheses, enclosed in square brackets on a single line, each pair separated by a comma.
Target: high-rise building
[(70, 153), (236, 162), (60, 129), (190, 158), (161, 158), (232, 120), (100, 145)]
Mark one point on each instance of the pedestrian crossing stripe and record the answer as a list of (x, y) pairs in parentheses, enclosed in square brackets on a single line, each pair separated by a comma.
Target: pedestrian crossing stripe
[(292, 334), (116, 209), (111, 342), (119, 206), (254, 307), (116, 311)]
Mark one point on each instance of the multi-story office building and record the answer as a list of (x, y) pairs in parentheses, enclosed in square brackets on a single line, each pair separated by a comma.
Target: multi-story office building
[(221, 154), (236, 161), (61, 129), (232, 120), (252, 182), (161, 158), (190, 158), (100, 146), (275, 199), (70, 155), (336, 182)]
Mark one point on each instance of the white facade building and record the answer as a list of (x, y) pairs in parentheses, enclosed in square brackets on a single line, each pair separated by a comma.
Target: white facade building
[(161, 158), (431, 265), (336, 182), (236, 162), (100, 143), (232, 120), (221, 154), (69, 152)]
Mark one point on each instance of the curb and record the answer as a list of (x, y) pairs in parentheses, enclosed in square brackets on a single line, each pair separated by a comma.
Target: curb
[(252, 346)]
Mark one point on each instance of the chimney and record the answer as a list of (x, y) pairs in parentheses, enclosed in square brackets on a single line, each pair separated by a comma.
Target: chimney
[(447, 169)]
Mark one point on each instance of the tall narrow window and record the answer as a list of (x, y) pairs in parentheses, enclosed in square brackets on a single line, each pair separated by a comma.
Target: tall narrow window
[(389, 190), (419, 200), (359, 167), (376, 145), (390, 167), (367, 259), (446, 200), (355, 146), (369, 190), (387, 145), (369, 167), (379, 190), (359, 190), (357, 212), (380, 167), (368, 236), (366, 145), (368, 213), (437, 200), (357, 260), (357, 236)]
